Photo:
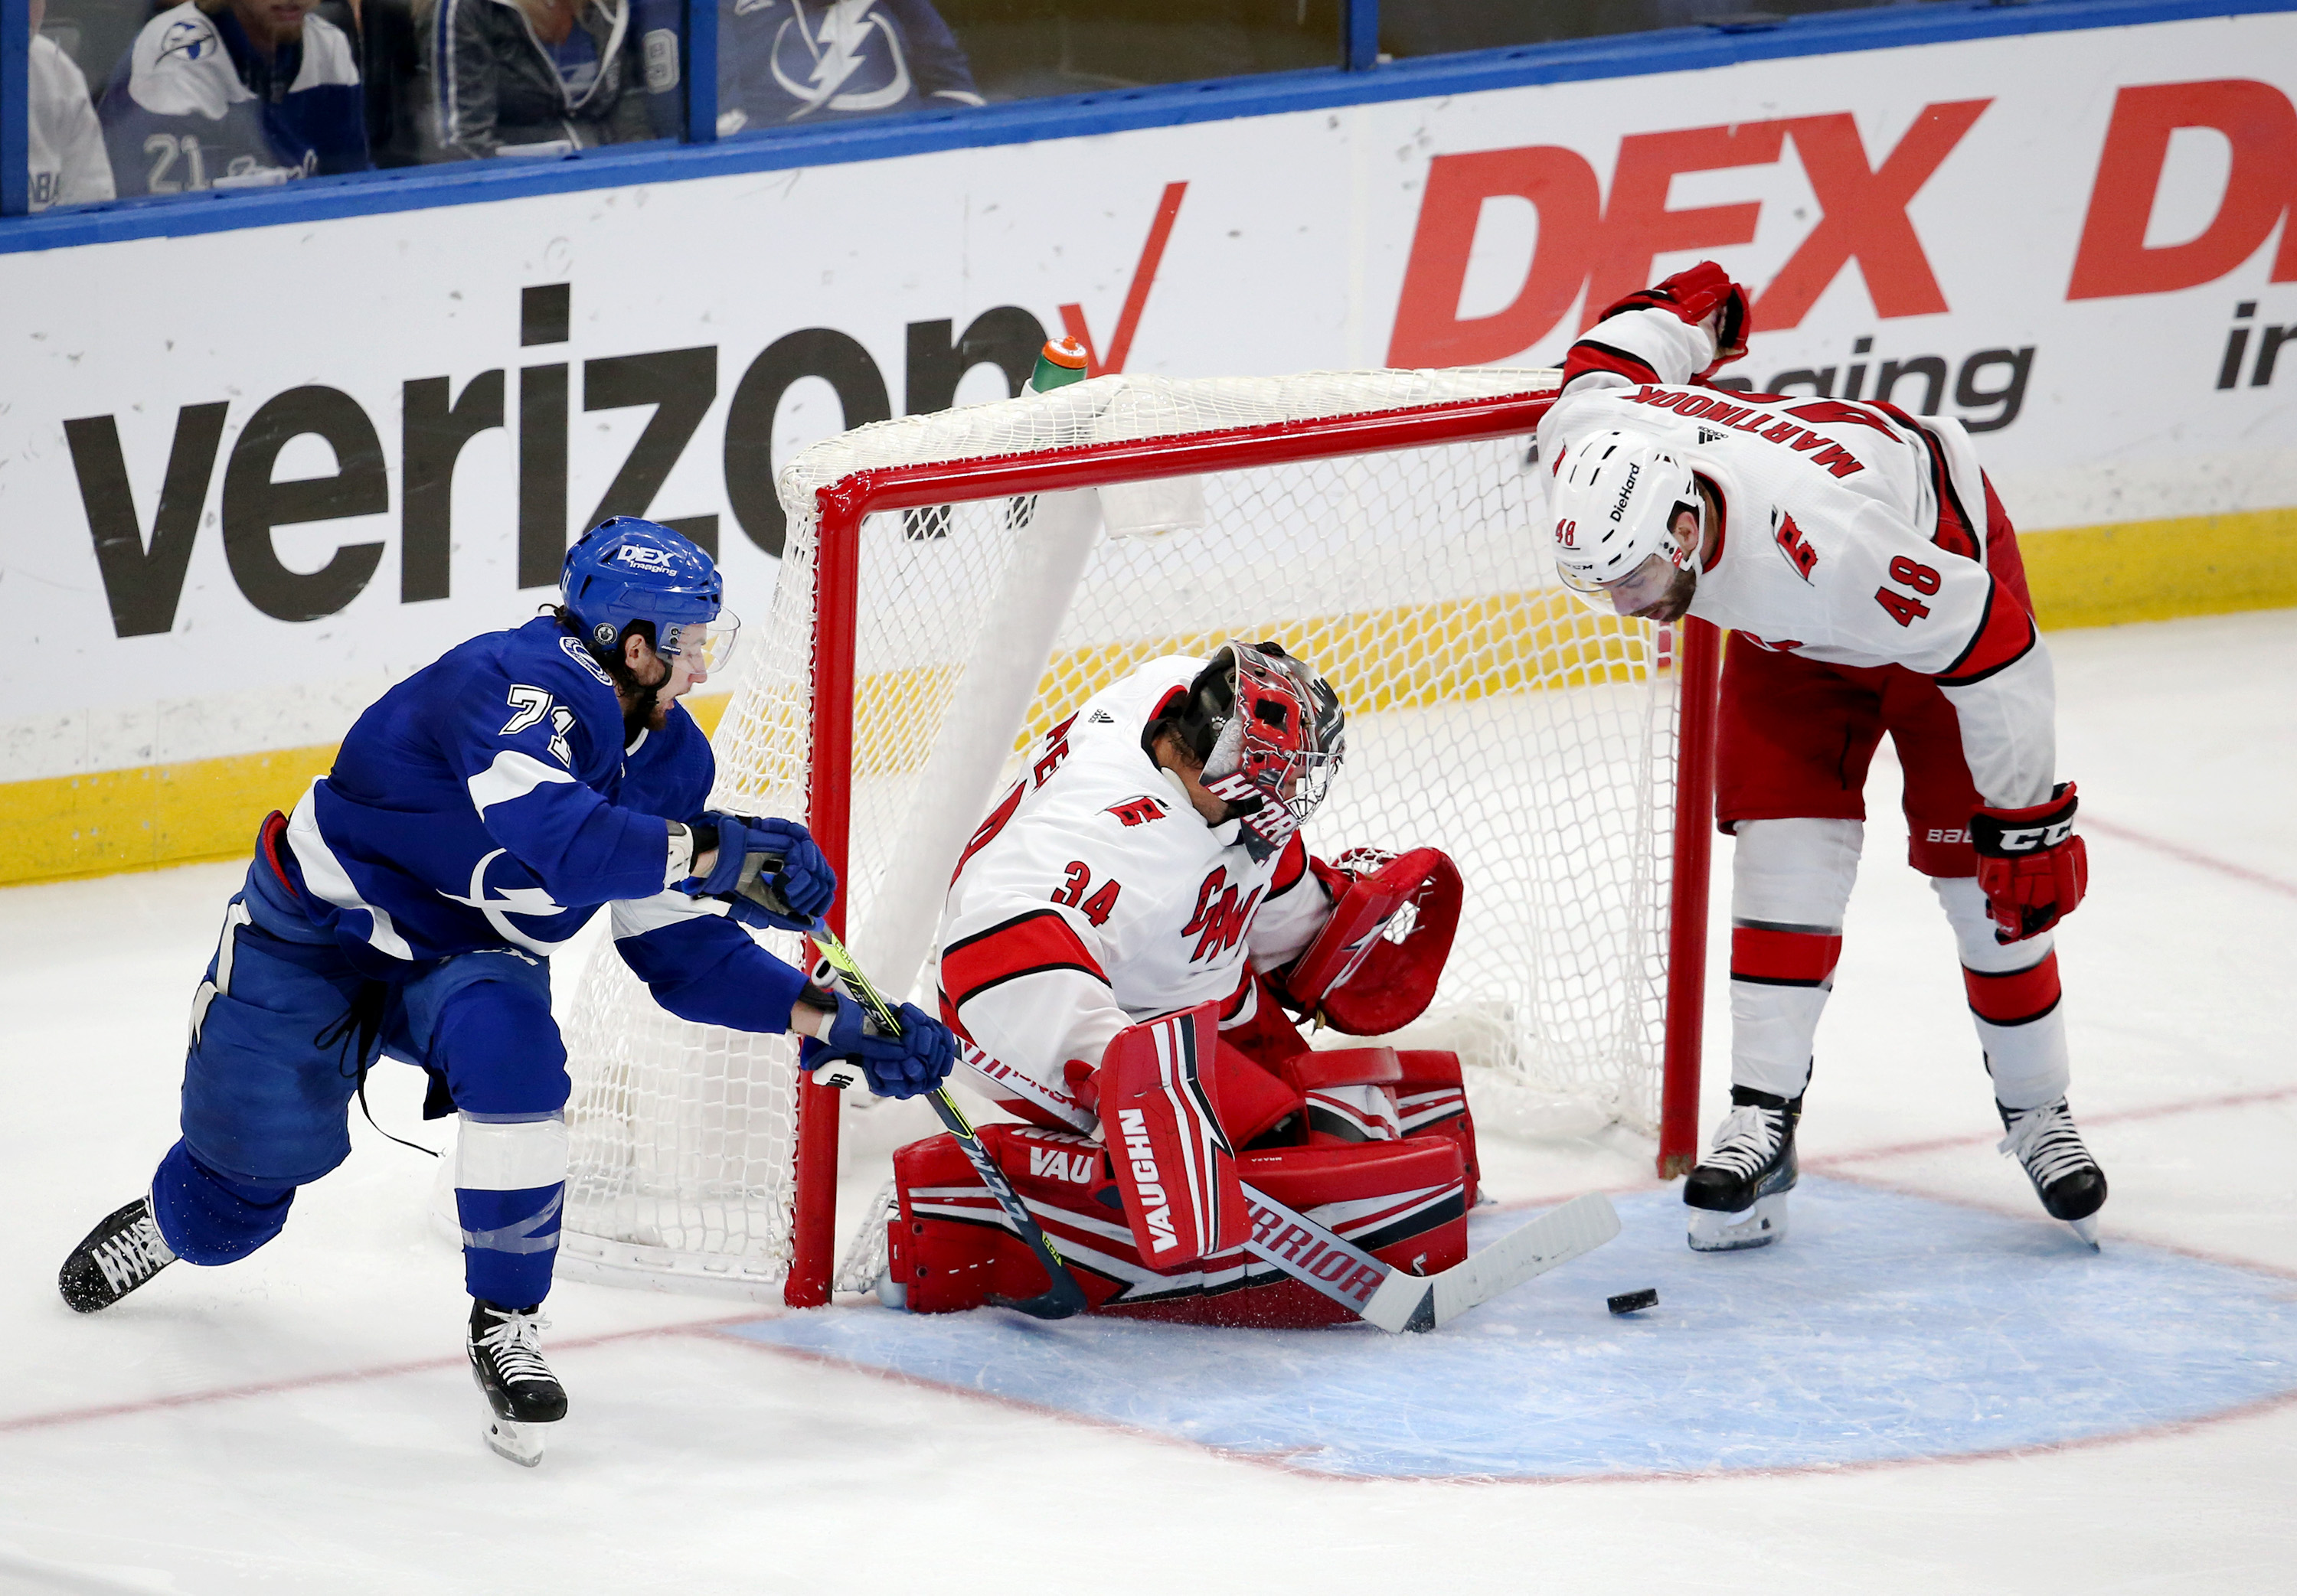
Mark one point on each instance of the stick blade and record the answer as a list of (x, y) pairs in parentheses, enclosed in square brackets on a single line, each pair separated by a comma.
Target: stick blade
[(1579, 1227)]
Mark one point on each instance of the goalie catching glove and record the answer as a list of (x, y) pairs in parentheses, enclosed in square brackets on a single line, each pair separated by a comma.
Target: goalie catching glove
[(1373, 967), (769, 871), (2031, 866), (916, 1060)]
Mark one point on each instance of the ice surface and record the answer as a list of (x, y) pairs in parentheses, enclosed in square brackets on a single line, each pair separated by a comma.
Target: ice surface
[(302, 1422), (1889, 1327)]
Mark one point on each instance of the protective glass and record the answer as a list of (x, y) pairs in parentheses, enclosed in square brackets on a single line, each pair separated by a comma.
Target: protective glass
[(709, 646)]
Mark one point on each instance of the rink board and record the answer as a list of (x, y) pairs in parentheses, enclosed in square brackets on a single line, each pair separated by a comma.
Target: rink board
[(1888, 1327)]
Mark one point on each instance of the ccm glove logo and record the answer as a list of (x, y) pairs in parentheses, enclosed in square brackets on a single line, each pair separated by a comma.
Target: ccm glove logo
[(2026, 839), (2031, 866)]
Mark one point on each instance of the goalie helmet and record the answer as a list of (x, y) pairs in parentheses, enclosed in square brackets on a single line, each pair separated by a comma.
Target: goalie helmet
[(628, 572), (1270, 733), (1616, 499)]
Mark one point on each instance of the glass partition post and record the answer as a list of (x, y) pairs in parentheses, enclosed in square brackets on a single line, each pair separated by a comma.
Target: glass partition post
[(15, 107), (701, 71), (1362, 41)]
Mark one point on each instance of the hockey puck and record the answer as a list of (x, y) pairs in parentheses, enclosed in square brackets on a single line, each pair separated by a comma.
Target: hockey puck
[(1632, 1301)]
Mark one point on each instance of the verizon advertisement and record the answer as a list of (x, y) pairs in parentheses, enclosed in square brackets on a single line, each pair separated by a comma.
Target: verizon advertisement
[(247, 478)]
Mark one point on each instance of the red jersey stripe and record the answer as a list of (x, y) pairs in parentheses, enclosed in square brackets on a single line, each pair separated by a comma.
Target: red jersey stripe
[(2004, 635), (1040, 940)]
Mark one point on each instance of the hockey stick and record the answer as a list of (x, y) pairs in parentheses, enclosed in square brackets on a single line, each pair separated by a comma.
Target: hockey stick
[(1064, 1296), (1398, 1301)]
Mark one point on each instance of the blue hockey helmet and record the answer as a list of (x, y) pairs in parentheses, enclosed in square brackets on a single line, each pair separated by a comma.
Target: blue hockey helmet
[(630, 569)]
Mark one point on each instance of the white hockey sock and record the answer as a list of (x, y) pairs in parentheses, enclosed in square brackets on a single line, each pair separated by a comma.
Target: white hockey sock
[(2013, 1000), (1790, 880)]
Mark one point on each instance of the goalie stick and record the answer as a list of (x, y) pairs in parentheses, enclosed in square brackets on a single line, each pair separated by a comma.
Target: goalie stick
[(1064, 1296), (1398, 1301)]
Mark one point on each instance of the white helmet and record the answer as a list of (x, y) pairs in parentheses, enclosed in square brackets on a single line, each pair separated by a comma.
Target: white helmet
[(1615, 502)]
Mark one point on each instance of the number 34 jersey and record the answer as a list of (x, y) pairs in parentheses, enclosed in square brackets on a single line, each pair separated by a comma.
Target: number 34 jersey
[(1094, 896), (1850, 534)]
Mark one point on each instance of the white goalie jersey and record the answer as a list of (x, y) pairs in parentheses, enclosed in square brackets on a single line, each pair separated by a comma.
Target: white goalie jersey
[(1851, 534), (1094, 897)]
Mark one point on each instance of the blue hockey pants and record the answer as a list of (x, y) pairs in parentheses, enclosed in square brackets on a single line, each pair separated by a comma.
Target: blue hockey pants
[(282, 1029)]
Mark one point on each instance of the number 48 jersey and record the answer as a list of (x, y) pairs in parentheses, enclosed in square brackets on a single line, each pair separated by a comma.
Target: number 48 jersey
[(1851, 534), (1094, 896)]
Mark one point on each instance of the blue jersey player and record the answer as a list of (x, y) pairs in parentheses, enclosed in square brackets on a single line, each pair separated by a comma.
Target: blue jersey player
[(477, 817)]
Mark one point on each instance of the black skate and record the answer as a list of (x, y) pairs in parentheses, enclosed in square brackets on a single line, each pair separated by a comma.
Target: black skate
[(506, 1348), (2066, 1178), (1738, 1195), (114, 1259)]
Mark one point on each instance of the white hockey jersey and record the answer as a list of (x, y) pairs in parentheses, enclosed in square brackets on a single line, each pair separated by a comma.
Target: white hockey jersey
[(1853, 534), (1094, 896), (68, 163)]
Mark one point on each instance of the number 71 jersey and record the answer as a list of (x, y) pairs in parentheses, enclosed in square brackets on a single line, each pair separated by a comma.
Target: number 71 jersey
[(1094, 896)]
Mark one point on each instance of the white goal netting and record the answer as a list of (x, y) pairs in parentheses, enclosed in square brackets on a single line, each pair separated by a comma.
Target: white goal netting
[(1489, 714)]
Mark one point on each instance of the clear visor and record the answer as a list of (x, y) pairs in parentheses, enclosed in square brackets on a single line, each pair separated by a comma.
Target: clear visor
[(706, 647), (1641, 588)]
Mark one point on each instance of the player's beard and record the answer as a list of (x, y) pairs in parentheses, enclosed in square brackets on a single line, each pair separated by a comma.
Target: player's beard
[(644, 708), (1674, 603)]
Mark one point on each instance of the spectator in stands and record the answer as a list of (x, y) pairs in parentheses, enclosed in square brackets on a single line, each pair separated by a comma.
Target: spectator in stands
[(533, 77), (390, 49), (234, 93), (783, 61), (68, 163)]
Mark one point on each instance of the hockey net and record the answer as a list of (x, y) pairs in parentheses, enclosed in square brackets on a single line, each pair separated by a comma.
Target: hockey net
[(953, 583)]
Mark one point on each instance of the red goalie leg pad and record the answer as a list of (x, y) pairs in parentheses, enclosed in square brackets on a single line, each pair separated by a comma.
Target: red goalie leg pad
[(1433, 1102), (1175, 1166), (950, 1249), (2017, 998)]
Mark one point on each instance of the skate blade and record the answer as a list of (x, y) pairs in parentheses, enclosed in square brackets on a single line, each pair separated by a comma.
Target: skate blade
[(522, 1443), (2087, 1229), (1757, 1225)]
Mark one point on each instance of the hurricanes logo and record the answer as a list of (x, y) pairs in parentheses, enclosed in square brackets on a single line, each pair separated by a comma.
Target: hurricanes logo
[(1220, 920)]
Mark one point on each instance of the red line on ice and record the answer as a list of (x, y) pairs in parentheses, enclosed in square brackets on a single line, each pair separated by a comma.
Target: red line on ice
[(2191, 856), (380, 1372)]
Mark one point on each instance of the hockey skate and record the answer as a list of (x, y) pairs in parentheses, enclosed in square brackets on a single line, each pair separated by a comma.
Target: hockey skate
[(2066, 1178), (1738, 1195), (505, 1349), (114, 1259)]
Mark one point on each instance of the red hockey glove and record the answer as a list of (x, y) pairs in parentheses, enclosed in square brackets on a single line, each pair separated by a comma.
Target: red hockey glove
[(2031, 866), (1694, 295), (1369, 970)]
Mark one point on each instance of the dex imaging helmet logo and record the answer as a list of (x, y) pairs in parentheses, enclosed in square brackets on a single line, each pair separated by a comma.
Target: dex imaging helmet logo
[(645, 559)]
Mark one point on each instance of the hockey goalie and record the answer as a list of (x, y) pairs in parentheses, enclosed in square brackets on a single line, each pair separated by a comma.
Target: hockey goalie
[(1126, 940)]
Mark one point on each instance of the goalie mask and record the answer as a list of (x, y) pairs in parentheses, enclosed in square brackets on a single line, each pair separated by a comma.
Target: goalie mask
[(1616, 501), (1271, 733)]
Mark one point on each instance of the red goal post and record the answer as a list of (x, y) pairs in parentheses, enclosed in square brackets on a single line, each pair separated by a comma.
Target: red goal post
[(953, 583)]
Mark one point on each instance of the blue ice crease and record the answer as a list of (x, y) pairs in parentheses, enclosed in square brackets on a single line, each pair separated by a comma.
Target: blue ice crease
[(1887, 1327)]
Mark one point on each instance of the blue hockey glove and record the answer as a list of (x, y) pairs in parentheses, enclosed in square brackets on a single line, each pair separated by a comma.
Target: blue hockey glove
[(769, 871), (916, 1061)]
